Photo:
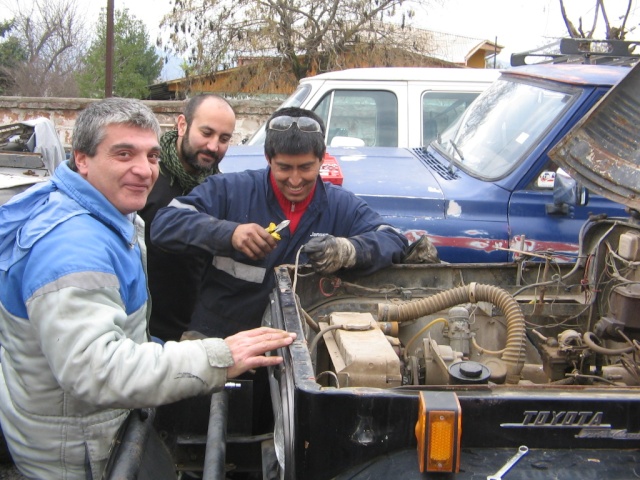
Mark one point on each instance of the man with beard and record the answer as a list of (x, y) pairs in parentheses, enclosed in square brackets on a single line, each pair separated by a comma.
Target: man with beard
[(189, 154)]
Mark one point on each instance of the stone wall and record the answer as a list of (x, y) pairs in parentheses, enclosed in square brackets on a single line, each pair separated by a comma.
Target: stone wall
[(250, 113)]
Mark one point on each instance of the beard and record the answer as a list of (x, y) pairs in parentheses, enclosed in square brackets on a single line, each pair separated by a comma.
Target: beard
[(190, 156)]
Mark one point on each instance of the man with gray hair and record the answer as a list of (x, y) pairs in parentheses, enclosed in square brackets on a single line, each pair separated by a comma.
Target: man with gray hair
[(76, 355)]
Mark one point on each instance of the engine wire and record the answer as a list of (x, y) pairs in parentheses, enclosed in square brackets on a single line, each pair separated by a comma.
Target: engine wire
[(296, 273), (587, 338), (484, 350), (420, 332), (331, 374), (590, 377), (319, 335), (309, 319)]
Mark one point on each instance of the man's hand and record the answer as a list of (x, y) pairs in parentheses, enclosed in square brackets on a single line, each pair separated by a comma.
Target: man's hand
[(248, 348), (253, 240), (329, 254)]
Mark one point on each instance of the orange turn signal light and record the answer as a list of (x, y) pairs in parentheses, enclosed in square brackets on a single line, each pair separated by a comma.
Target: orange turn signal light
[(438, 432)]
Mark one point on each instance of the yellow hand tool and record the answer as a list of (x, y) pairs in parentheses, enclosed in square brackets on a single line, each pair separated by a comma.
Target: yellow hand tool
[(273, 229)]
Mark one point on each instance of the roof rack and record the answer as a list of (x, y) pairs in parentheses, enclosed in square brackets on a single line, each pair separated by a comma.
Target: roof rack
[(581, 50)]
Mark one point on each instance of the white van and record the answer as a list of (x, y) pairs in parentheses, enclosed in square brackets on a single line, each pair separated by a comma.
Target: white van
[(387, 107)]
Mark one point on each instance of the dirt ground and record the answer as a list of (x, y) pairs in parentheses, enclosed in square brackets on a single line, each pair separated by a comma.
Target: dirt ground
[(9, 472)]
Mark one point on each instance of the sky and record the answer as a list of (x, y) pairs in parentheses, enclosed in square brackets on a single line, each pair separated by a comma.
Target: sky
[(517, 25), (520, 25)]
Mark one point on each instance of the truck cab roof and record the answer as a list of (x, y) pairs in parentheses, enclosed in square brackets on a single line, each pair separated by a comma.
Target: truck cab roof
[(406, 74), (571, 73)]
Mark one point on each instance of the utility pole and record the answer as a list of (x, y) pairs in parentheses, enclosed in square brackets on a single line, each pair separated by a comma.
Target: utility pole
[(108, 74)]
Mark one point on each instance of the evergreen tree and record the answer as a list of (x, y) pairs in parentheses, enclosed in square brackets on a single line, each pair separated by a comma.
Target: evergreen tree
[(135, 62), (12, 53)]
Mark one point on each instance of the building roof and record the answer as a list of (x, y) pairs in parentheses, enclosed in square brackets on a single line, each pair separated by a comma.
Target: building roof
[(441, 49), (457, 49)]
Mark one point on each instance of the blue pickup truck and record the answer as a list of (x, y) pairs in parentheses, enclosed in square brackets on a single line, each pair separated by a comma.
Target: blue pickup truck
[(449, 370), (483, 190), (454, 370)]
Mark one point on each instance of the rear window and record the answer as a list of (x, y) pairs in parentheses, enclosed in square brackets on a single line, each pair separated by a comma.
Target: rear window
[(369, 116)]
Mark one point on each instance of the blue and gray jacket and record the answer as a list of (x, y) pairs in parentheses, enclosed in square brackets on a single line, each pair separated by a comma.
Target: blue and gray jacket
[(75, 355)]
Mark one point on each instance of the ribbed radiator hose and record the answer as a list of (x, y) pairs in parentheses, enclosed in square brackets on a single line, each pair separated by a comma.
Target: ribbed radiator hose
[(514, 354)]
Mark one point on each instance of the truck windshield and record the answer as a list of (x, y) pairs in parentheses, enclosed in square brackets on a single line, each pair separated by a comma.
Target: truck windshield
[(504, 122)]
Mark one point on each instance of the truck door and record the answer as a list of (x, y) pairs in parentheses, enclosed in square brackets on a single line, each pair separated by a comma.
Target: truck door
[(537, 225)]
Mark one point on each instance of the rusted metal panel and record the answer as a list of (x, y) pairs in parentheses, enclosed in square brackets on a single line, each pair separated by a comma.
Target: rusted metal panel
[(602, 151)]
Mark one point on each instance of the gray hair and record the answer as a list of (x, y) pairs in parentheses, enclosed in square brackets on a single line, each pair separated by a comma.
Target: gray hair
[(90, 126)]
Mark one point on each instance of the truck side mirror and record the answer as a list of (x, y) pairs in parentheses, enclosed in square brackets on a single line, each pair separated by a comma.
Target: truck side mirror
[(567, 193)]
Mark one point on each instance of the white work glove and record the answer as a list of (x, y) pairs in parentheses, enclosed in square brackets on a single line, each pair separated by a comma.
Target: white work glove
[(329, 254)]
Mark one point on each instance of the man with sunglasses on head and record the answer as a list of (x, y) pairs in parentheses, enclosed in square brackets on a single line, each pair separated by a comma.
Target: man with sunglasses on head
[(226, 217)]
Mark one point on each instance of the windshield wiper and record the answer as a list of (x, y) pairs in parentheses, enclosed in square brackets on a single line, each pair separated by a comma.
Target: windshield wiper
[(458, 151)]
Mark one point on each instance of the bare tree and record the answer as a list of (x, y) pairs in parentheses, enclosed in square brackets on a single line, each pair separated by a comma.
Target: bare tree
[(308, 36), (54, 38), (612, 32)]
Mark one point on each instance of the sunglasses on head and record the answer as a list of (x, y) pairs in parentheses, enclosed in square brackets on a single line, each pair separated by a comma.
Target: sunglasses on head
[(304, 124)]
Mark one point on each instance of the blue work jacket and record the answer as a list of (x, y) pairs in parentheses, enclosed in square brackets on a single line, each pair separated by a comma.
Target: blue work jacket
[(234, 290)]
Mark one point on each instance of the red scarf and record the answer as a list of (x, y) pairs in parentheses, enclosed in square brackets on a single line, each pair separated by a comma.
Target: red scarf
[(292, 210)]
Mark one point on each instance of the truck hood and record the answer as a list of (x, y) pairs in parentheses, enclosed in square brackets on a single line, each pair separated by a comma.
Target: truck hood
[(390, 180), (602, 151)]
